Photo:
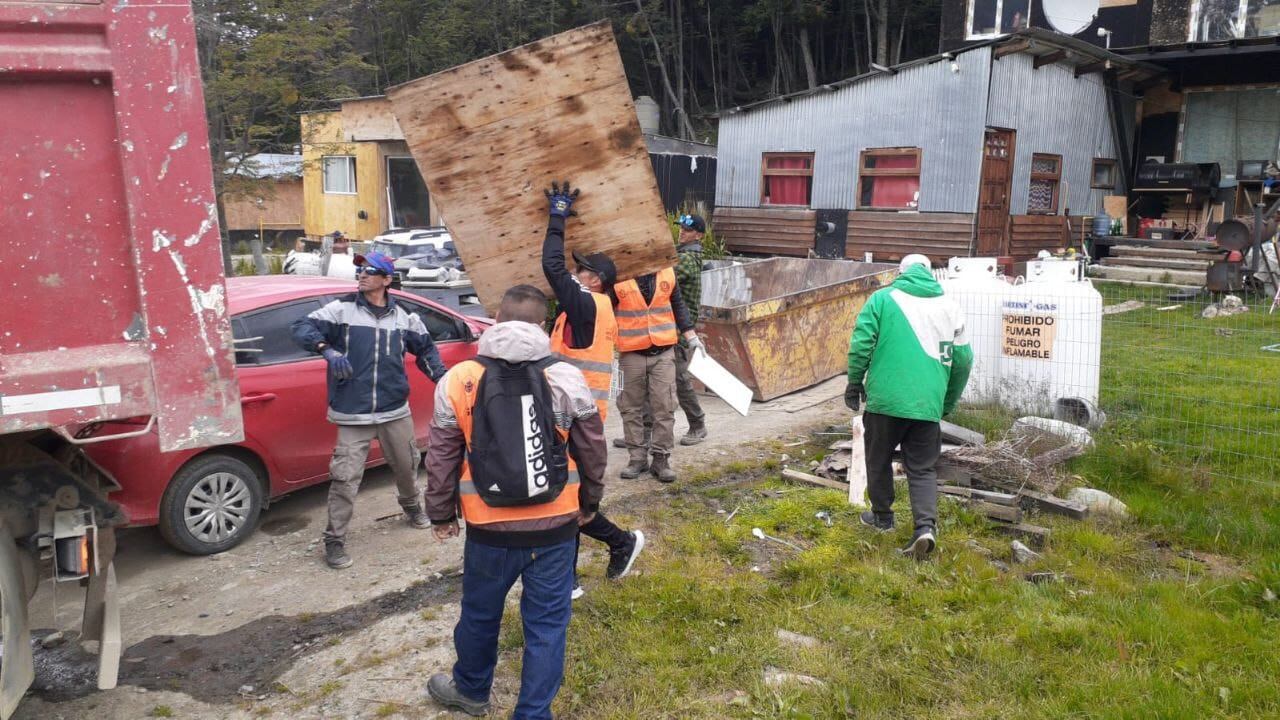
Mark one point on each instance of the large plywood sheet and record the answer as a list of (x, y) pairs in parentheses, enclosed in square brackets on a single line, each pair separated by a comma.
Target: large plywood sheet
[(490, 135)]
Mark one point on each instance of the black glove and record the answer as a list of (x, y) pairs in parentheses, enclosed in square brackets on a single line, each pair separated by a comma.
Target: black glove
[(561, 200), (854, 395)]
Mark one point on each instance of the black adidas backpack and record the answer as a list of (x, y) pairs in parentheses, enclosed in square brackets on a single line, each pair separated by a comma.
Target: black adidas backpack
[(516, 455)]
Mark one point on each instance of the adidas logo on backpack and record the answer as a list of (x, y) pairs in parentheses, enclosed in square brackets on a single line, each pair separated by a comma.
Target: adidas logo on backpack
[(517, 456)]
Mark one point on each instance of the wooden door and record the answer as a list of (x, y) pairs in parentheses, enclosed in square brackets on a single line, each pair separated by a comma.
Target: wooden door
[(993, 196)]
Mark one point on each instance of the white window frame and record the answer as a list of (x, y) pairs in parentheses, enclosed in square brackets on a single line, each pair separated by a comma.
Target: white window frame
[(351, 174), (1242, 20), (968, 20)]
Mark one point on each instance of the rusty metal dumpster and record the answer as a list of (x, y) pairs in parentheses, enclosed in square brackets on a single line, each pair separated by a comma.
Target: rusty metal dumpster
[(783, 324)]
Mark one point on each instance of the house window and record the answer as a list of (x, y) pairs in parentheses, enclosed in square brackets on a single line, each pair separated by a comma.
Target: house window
[(889, 179), (1046, 173), (989, 18), (1229, 126), (1230, 19), (788, 179), (340, 175), (1104, 174)]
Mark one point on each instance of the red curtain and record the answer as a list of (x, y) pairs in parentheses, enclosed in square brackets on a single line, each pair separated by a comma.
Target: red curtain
[(894, 191), (787, 189)]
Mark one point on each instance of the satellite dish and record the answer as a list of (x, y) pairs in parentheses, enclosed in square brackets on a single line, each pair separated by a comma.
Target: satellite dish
[(1070, 16)]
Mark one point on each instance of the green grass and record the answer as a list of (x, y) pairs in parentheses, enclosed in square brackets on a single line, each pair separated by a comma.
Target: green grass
[(1162, 616), (1134, 630)]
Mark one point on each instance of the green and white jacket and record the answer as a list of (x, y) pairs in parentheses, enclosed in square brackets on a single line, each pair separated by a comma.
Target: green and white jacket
[(909, 349)]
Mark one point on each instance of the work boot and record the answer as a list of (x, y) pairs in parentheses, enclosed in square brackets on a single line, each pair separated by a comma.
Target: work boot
[(661, 469), (621, 443), (444, 690), (621, 559), (881, 522), (697, 432), (634, 469), (335, 556), (922, 543), (417, 518)]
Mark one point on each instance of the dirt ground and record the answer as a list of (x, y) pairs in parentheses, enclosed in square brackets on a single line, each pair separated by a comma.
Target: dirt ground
[(266, 630)]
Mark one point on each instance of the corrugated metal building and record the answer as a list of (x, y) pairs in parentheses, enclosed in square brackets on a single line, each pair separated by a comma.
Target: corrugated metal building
[(983, 150)]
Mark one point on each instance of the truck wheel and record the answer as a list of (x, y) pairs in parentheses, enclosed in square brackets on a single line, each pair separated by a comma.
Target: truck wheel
[(211, 505)]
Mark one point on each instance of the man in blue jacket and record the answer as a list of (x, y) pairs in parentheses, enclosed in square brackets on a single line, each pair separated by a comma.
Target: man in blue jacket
[(363, 337)]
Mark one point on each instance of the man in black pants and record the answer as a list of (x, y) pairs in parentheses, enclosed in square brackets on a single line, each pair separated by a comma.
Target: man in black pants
[(909, 358), (584, 336)]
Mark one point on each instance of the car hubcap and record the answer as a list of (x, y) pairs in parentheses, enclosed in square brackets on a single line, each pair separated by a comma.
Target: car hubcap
[(217, 507)]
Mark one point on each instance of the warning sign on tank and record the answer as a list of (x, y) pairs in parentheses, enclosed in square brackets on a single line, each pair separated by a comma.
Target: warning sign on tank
[(1029, 335)]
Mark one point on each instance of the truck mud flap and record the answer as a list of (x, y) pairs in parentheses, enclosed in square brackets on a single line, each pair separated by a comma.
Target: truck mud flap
[(18, 669)]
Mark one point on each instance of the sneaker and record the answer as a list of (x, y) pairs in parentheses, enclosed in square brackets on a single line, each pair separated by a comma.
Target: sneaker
[(417, 517), (335, 556), (871, 519), (697, 433), (661, 469), (922, 544), (577, 592), (635, 469), (443, 690), (621, 560)]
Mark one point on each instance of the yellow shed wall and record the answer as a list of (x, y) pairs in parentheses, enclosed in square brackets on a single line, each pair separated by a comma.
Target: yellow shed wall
[(323, 136)]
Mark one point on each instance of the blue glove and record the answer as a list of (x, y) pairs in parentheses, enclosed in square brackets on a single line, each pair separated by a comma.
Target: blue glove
[(339, 365), (561, 200)]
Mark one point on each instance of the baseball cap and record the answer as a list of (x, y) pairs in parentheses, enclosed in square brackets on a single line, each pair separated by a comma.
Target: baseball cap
[(693, 222), (377, 261), (913, 259), (600, 264)]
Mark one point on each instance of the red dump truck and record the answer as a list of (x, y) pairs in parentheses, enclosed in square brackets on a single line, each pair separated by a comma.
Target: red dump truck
[(112, 296)]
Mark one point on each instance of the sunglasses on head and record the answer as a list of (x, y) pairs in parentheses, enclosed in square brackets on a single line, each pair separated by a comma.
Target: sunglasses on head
[(368, 270), (686, 221)]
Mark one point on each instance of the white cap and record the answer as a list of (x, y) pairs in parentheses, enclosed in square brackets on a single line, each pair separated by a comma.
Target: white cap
[(913, 259)]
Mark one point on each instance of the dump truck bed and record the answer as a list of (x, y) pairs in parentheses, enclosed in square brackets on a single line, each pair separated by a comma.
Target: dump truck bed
[(114, 298)]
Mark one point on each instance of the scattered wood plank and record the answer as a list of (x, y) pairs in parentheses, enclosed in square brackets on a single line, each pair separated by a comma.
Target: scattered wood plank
[(1044, 502), (1037, 536), (1002, 513), (996, 498), (961, 435), (490, 135), (789, 474), (953, 474)]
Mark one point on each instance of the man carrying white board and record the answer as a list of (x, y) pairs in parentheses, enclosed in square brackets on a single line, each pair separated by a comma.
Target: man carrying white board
[(909, 359)]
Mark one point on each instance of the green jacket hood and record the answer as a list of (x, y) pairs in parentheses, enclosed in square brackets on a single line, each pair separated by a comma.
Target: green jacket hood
[(918, 281)]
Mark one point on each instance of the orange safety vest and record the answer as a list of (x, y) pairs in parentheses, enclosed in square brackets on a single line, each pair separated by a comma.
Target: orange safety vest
[(464, 382), (642, 326), (596, 360)]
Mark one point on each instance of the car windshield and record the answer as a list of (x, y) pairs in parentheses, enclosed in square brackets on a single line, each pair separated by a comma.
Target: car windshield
[(391, 250)]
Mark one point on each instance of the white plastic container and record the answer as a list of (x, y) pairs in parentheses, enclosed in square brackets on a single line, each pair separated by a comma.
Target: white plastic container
[(975, 284), (1051, 328), (1033, 342)]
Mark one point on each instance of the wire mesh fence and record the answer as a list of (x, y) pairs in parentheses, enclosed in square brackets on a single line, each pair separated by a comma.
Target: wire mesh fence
[(1197, 377), (1194, 377)]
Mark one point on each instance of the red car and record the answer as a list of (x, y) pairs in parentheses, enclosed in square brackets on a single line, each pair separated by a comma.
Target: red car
[(206, 501)]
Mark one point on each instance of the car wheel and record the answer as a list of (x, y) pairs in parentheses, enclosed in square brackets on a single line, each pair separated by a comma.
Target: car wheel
[(211, 505)]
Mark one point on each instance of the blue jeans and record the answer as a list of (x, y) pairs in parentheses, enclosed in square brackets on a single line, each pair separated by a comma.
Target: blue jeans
[(488, 573)]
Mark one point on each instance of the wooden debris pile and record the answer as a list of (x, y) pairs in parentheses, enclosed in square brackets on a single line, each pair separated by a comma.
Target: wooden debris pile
[(1002, 480)]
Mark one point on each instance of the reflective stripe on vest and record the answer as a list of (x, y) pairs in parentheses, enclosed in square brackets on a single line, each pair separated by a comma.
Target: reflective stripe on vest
[(595, 361), (464, 382), (644, 325)]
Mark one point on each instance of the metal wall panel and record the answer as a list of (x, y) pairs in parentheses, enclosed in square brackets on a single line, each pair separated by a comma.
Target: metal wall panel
[(926, 106), (1057, 113)]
